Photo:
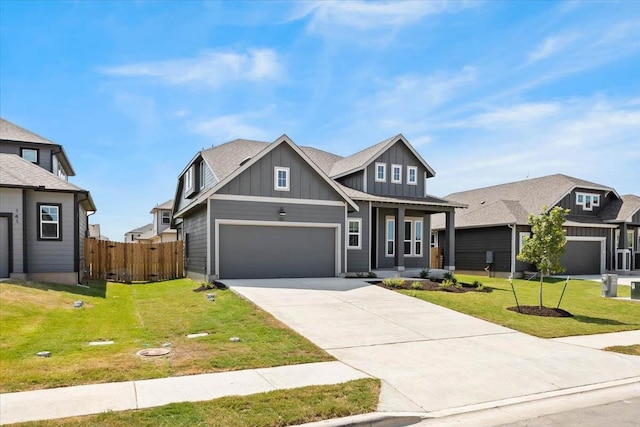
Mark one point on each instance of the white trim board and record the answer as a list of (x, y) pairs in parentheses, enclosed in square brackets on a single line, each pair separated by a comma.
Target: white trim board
[(277, 200), (336, 226)]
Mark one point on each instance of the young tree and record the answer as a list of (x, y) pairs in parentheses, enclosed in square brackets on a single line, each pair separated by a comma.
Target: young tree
[(546, 245)]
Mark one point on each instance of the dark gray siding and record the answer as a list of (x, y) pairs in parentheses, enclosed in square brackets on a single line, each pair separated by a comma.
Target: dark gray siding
[(522, 266), (82, 234), (381, 240), (11, 203), (472, 245), (587, 232), (264, 211), (355, 181), (258, 179), (50, 256), (252, 252), (44, 152), (401, 155), (358, 259), (209, 181), (635, 219), (195, 233), (569, 202)]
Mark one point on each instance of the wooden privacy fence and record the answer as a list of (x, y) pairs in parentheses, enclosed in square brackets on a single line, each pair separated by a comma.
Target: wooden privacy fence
[(133, 262)]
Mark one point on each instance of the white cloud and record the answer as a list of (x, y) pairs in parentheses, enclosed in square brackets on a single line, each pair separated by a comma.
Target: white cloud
[(551, 46), (366, 15), (211, 68), (231, 126), (510, 116)]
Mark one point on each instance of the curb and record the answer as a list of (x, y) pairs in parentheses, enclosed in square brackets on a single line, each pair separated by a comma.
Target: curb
[(373, 419)]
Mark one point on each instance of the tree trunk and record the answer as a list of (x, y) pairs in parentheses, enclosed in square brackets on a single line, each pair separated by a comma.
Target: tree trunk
[(541, 281)]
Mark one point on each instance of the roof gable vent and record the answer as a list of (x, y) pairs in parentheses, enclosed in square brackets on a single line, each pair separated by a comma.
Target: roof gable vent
[(245, 161)]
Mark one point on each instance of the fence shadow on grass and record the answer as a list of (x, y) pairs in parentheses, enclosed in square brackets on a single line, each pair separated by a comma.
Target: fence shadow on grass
[(95, 288)]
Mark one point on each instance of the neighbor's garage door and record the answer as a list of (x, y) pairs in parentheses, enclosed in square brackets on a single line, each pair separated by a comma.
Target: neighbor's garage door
[(582, 257), (251, 252)]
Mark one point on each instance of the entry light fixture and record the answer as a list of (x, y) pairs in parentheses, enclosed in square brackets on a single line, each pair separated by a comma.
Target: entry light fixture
[(282, 213)]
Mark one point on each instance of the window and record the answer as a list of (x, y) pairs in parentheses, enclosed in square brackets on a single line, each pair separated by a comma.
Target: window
[(30, 155), (412, 175), (281, 178), (166, 217), (201, 175), (587, 200), (629, 239), (391, 237), (413, 237), (355, 234), (381, 172), (523, 236), (49, 221), (188, 179), (396, 174)]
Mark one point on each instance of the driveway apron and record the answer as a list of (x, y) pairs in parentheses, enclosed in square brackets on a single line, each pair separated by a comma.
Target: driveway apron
[(429, 358)]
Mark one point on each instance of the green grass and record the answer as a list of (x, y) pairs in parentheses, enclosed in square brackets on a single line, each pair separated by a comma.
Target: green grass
[(37, 317), (633, 350), (593, 314), (276, 408)]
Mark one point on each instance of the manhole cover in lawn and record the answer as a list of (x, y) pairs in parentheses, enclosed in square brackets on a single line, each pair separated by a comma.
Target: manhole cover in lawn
[(152, 352)]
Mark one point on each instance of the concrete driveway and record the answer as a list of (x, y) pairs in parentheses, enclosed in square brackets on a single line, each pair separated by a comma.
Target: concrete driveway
[(432, 359)]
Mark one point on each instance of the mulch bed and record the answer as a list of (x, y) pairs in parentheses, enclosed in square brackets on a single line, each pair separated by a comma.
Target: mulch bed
[(428, 285), (534, 310)]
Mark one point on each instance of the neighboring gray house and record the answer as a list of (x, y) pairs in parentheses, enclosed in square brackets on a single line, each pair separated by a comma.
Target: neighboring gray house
[(249, 209), (43, 217), (159, 230), (602, 227)]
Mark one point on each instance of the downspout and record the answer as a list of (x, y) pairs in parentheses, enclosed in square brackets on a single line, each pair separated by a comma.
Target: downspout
[(513, 248)]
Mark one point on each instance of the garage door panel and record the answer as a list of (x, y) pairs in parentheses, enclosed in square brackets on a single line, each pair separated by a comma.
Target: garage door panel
[(582, 257), (249, 251)]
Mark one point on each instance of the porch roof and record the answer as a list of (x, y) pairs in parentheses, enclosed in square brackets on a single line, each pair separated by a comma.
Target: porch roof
[(428, 201)]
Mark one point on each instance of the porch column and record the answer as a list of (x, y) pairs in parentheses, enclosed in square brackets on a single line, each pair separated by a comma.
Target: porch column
[(450, 241), (399, 257)]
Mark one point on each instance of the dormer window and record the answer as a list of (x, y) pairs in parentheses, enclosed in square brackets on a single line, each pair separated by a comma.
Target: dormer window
[(587, 200), (30, 155), (201, 175), (281, 178), (381, 172), (412, 175), (188, 179), (396, 174)]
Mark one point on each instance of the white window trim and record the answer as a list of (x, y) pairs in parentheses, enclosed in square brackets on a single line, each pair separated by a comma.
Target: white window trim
[(415, 175), (56, 222), (592, 203), (188, 179), (399, 180), (384, 172), (276, 182), (413, 238), (359, 233), (201, 175), (521, 237), (388, 220), (162, 215)]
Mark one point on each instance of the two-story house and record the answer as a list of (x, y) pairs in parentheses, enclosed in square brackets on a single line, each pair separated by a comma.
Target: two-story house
[(43, 217), (251, 209), (158, 231), (602, 227)]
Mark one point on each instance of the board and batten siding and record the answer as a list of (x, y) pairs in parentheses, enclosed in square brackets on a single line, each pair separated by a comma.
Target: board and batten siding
[(569, 202), (354, 180), (11, 203), (209, 181), (385, 261), (358, 259), (268, 211), (258, 179), (472, 245), (50, 256), (195, 235), (397, 154)]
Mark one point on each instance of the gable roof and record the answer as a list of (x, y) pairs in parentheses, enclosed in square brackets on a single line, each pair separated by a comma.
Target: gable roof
[(166, 206), (364, 158), (621, 210), (229, 160), (16, 172), (512, 203), (323, 159), (12, 132), (143, 229)]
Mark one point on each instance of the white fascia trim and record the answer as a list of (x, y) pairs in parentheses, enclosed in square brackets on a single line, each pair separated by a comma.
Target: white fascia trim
[(359, 221), (336, 226), (279, 200), (364, 180), (399, 180)]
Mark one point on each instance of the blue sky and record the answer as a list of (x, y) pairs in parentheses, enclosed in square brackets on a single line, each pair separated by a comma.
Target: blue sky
[(488, 92)]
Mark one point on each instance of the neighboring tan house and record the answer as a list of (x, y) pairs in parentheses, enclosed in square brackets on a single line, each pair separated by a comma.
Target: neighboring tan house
[(602, 227), (250, 209), (94, 232), (43, 217), (157, 232)]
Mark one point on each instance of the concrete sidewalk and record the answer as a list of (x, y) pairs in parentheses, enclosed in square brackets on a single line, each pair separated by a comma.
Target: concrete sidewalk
[(97, 398), (603, 340)]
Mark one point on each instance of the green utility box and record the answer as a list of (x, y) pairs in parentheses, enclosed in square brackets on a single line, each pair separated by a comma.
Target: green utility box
[(635, 290)]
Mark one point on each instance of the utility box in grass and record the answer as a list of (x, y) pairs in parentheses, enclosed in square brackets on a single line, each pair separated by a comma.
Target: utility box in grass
[(635, 290), (610, 285)]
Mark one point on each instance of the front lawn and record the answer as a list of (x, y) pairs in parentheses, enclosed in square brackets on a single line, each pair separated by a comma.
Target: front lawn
[(633, 350), (592, 314), (275, 408), (40, 317)]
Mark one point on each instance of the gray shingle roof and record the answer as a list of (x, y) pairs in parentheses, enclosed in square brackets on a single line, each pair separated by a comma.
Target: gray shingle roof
[(323, 159), (359, 159), (622, 209), (16, 172), (12, 132), (226, 158), (512, 202), (166, 205)]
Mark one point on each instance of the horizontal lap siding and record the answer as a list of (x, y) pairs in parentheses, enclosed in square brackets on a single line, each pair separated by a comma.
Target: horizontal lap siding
[(195, 228), (11, 203)]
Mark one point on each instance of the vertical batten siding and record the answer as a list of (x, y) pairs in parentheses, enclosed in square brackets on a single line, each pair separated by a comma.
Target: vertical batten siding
[(195, 227), (11, 202), (398, 154), (50, 256), (258, 179), (355, 181), (383, 260), (358, 259), (266, 211), (472, 245)]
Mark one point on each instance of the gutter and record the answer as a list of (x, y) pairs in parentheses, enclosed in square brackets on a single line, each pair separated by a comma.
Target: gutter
[(513, 248)]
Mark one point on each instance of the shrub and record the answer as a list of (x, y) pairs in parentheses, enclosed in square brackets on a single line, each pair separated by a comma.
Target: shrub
[(394, 282), (372, 275), (424, 273), (416, 285), (449, 280), (478, 285)]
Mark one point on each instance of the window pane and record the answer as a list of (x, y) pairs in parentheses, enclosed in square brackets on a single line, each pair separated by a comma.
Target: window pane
[(49, 230), (354, 226), (391, 232), (390, 247), (354, 240), (407, 230), (418, 228), (418, 248), (407, 248), (30, 155), (580, 198)]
